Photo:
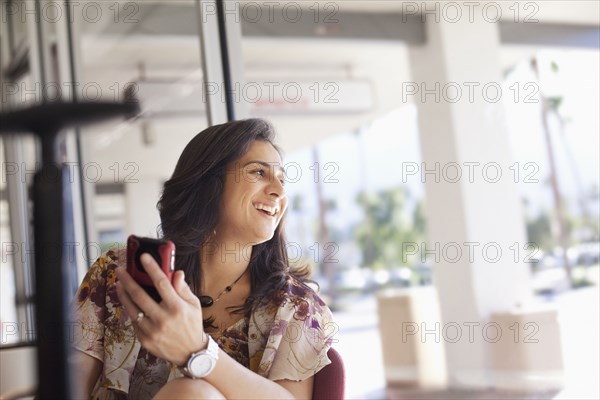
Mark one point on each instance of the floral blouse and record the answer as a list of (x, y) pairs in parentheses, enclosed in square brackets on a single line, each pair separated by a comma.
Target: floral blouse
[(287, 339)]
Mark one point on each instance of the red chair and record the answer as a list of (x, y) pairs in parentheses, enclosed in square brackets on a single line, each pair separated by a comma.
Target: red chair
[(329, 382)]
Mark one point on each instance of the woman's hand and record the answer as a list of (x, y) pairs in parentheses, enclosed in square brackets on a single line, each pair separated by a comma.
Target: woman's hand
[(171, 330)]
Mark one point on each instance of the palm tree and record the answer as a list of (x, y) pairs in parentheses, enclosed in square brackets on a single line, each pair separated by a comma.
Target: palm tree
[(325, 266), (550, 105)]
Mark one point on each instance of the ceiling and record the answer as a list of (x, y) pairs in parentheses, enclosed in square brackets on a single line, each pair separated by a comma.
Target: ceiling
[(164, 45)]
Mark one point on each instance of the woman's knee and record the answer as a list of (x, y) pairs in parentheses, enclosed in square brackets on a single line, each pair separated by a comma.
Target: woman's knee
[(185, 388)]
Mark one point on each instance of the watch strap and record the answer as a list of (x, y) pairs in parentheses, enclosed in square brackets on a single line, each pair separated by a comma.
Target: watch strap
[(212, 351)]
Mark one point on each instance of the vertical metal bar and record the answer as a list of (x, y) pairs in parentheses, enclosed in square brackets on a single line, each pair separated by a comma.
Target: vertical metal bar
[(233, 36), (68, 63), (10, 29), (17, 196), (225, 66), (19, 216), (50, 270), (41, 49), (51, 275), (212, 69)]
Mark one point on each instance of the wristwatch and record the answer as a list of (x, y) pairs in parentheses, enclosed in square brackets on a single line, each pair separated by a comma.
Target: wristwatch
[(202, 363)]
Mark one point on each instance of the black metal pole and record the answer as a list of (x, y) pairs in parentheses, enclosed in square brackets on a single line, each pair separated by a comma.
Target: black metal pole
[(52, 212), (225, 61), (51, 279)]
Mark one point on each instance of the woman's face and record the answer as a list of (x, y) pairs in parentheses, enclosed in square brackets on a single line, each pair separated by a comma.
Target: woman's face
[(254, 196)]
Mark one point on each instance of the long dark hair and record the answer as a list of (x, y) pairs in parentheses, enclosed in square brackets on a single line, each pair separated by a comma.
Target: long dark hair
[(193, 193)]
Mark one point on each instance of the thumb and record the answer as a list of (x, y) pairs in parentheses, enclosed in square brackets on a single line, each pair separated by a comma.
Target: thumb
[(182, 288)]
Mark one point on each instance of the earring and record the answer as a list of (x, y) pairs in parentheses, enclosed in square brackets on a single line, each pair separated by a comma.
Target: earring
[(214, 232)]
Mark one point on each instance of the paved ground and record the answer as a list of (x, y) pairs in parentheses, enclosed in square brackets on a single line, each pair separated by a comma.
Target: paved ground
[(579, 311), (359, 345)]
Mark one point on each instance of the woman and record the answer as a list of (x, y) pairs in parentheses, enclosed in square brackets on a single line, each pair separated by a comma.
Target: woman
[(235, 323)]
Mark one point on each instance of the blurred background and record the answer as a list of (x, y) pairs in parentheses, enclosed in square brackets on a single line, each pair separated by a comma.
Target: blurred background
[(442, 163)]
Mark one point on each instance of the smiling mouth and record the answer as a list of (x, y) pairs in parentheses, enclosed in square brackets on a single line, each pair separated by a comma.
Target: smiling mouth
[(266, 213), (267, 210)]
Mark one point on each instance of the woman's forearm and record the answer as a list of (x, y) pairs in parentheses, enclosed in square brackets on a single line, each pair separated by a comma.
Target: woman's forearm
[(237, 382), (87, 369)]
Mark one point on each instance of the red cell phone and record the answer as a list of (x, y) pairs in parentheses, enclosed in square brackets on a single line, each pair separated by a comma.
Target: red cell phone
[(163, 252)]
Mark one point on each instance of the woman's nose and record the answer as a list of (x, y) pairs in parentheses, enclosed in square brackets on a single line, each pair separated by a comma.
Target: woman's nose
[(276, 188)]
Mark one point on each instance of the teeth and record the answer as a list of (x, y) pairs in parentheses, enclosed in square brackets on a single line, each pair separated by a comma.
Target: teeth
[(271, 210)]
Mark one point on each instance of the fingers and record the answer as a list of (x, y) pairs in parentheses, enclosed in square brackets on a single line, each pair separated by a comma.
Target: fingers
[(183, 289), (131, 308), (161, 282), (126, 301), (169, 333), (134, 298)]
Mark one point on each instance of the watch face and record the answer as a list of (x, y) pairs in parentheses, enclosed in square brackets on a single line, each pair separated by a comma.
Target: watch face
[(201, 365)]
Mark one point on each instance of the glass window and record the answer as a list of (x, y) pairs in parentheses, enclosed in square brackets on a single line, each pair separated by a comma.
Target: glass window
[(154, 49), (329, 80)]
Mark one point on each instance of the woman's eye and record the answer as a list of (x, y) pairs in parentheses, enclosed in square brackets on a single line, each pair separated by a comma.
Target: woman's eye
[(262, 172)]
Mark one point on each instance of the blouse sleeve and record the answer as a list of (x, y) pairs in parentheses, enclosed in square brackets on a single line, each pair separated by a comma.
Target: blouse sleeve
[(102, 328), (89, 309), (298, 337)]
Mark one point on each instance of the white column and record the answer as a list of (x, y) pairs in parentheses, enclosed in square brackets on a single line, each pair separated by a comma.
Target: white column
[(141, 215), (484, 213)]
